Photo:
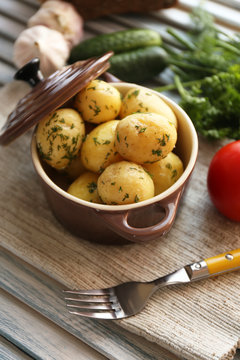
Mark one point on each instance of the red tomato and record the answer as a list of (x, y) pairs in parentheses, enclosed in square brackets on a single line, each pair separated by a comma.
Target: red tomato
[(224, 180)]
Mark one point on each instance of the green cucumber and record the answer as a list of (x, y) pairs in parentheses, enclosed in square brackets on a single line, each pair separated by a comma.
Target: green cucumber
[(118, 42), (138, 65)]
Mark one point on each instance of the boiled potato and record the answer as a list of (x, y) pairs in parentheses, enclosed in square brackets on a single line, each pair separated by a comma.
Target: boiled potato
[(99, 149), (145, 138), (124, 183), (75, 168), (143, 100), (98, 102), (59, 137), (85, 187), (165, 172)]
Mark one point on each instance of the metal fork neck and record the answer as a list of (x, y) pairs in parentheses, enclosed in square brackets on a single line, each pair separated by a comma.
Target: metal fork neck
[(189, 273), (197, 270)]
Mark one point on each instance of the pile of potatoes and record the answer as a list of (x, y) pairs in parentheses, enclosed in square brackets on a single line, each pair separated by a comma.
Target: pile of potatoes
[(118, 150)]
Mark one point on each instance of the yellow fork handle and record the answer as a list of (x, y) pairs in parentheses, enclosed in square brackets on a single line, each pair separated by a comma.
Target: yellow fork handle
[(228, 261)]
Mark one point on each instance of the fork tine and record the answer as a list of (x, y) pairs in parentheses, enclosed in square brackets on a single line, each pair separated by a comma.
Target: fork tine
[(107, 315), (88, 299), (89, 292), (106, 306)]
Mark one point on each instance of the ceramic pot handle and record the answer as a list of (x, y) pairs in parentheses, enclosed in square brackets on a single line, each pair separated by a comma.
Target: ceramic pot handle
[(118, 222)]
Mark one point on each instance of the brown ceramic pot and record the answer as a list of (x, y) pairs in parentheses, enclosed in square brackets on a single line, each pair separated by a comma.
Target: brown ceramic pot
[(114, 224)]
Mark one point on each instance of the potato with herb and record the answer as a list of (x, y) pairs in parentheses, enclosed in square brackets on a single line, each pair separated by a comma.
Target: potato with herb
[(143, 100), (99, 148), (85, 187), (145, 138), (75, 167), (59, 137), (165, 172), (124, 183), (98, 102)]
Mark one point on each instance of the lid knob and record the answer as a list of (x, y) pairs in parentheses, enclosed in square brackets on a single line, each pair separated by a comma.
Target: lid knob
[(30, 72)]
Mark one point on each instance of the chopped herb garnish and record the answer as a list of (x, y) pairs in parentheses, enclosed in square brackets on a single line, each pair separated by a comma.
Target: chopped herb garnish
[(106, 142), (96, 142), (107, 155), (126, 196), (157, 152), (174, 173), (42, 154), (118, 139), (136, 199), (92, 187), (140, 129), (148, 173), (135, 93), (168, 166), (95, 108), (162, 141)]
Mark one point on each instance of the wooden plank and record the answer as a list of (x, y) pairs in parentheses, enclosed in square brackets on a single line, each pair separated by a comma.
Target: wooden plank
[(32, 3), (8, 351), (103, 25), (39, 337), (223, 14), (234, 4), (6, 73), (10, 28), (16, 10), (44, 295), (6, 53)]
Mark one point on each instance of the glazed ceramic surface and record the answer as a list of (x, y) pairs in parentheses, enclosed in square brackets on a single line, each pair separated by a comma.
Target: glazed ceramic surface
[(138, 222)]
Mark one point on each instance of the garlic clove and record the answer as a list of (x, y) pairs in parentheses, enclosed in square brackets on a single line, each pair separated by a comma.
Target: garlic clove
[(46, 44), (60, 16)]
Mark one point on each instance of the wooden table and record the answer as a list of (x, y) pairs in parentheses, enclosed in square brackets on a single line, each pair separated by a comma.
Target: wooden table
[(33, 322)]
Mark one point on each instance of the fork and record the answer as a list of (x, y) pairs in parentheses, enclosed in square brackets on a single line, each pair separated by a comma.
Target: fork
[(129, 298)]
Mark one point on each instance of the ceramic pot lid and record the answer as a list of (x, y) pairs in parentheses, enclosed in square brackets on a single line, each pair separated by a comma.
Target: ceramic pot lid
[(49, 94)]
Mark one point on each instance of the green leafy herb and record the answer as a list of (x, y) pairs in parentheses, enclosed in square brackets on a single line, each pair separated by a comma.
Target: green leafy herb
[(136, 199), (157, 152), (126, 196), (106, 142), (140, 129), (96, 142), (206, 73), (214, 104), (118, 139), (92, 187)]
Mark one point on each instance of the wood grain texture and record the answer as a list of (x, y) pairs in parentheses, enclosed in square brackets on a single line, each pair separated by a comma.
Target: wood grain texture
[(16, 10), (43, 294), (29, 331), (9, 351)]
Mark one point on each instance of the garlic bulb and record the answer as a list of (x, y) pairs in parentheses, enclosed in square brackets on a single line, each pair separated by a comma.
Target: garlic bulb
[(46, 44), (60, 16)]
